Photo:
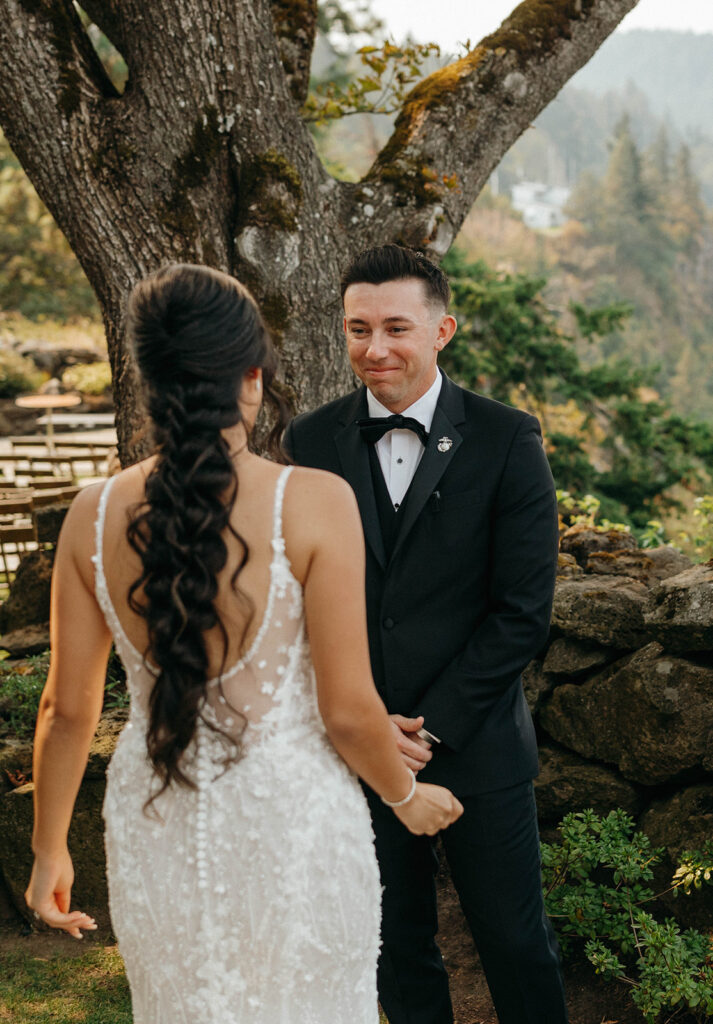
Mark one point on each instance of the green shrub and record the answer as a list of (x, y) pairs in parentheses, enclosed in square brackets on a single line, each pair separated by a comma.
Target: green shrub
[(21, 687), (89, 378), (17, 374), (596, 882)]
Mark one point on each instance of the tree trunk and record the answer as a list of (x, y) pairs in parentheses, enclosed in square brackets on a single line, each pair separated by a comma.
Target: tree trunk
[(205, 158)]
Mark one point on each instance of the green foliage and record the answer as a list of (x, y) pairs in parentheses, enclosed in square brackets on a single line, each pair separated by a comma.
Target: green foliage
[(700, 540), (39, 274), (388, 73), (596, 881), (20, 690), (89, 378), (623, 445), (21, 687), (17, 375)]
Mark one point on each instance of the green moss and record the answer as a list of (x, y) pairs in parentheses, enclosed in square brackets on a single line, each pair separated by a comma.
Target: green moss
[(276, 312), (535, 25), (261, 204), (532, 28), (412, 179)]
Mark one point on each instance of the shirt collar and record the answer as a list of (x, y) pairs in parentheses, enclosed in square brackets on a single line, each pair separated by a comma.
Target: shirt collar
[(423, 409)]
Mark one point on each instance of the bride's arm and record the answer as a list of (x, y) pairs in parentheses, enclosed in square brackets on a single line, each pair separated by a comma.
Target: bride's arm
[(353, 713), (69, 710)]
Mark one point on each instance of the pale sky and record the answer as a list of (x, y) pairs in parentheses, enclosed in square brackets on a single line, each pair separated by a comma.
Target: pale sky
[(449, 22)]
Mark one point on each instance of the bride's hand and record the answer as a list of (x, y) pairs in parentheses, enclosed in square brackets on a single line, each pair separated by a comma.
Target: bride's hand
[(49, 892), (432, 809)]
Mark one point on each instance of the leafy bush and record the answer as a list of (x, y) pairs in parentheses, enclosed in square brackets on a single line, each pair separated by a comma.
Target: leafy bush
[(89, 378), (17, 374), (596, 882)]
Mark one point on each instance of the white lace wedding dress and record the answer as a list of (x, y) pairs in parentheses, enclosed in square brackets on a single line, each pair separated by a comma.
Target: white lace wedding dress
[(254, 899)]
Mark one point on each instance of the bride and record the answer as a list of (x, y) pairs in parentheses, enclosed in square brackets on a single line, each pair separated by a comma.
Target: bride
[(242, 878)]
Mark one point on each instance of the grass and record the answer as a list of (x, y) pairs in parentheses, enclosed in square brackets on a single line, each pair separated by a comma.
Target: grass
[(87, 989), (90, 989), (21, 686)]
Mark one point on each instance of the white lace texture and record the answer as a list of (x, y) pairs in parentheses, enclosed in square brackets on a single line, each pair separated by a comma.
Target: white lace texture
[(254, 898)]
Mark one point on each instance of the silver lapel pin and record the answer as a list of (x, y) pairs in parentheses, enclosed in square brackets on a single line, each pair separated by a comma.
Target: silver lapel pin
[(444, 444)]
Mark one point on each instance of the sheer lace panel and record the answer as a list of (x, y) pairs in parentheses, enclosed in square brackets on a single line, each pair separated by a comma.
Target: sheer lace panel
[(246, 693)]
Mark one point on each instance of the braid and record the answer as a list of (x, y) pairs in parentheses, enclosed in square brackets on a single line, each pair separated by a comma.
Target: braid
[(196, 332), (179, 537)]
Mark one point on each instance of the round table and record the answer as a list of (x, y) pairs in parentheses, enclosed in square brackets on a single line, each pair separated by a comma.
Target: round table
[(48, 403)]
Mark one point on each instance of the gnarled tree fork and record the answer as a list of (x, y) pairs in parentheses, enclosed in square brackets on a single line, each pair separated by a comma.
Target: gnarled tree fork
[(205, 158)]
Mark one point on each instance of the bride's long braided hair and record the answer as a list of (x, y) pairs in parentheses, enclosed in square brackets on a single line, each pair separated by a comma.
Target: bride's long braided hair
[(195, 333)]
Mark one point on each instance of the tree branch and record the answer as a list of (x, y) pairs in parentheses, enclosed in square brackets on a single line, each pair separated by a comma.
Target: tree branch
[(456, 125), (295, 27), (51, 84)]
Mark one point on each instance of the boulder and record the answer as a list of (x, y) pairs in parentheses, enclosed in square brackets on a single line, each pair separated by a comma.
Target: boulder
[(569, 783), (21, 643), (54, 360), (568, 567), (574, 658), (650, 713), (667, 561), (49, 519), (681, 610), (581, 541), (680, 823), (86, 845), (28, 602), (648, 566), (537, 686), (606, 609), (634, 564)]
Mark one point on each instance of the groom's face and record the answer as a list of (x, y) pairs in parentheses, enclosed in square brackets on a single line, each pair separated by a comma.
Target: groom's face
[(394, 334)]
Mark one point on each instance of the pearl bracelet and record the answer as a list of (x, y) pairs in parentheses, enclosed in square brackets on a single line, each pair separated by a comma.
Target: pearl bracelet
[(406, 799)]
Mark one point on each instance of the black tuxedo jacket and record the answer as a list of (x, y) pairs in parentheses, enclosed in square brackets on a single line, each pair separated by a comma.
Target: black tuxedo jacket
[(464, 602)]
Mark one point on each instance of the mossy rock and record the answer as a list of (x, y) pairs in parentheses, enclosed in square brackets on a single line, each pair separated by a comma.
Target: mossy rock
[(28, 603)]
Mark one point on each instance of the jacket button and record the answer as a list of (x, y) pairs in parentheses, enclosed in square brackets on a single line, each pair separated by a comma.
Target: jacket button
[(389, 623)]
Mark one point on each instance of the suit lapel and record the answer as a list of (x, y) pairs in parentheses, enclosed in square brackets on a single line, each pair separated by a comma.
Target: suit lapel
[(435, 461), (354, 458)]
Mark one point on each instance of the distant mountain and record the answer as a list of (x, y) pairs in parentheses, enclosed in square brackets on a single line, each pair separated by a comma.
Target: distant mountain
[(673, 69), (658, 79)]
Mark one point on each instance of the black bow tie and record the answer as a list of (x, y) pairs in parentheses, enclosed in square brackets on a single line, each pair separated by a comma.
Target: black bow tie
[(374, 428)]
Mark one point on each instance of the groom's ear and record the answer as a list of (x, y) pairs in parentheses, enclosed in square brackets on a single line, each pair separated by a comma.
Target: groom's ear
[(446, 330)]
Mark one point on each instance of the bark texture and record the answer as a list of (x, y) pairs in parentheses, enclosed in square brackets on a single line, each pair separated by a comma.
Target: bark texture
[(205, 158)]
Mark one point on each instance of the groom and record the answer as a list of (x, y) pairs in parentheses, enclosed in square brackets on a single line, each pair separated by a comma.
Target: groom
[(459, 514)]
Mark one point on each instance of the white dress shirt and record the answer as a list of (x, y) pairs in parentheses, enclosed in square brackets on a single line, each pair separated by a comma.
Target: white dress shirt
[(400, 451)]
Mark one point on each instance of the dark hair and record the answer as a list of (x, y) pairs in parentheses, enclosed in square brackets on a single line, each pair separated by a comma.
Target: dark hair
[(392, 263), (195, 333)]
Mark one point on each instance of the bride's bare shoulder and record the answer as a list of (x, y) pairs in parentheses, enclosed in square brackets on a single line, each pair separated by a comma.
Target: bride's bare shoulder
[(317, 490), (320, 512), (128, 487)]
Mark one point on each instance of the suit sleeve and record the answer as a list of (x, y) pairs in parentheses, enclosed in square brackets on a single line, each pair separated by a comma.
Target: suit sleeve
[(523, 561)]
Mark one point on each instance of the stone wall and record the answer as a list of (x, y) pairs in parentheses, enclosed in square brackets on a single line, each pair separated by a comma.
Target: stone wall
[(622, 698), (623, 695)]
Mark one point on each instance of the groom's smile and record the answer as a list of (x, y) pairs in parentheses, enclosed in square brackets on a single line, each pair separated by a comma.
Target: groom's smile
[(394, 334)]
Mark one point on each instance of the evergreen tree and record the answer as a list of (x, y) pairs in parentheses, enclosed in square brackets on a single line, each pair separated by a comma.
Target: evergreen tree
[(605, 430)]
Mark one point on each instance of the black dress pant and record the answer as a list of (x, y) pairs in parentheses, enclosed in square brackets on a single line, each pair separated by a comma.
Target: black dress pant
[(493, 852)]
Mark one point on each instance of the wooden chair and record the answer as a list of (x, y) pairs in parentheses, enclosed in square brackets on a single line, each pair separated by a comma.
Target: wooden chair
[(18, 532)]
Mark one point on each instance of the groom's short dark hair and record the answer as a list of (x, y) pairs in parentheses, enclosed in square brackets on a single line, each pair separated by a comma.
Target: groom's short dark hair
[(392, 263)]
